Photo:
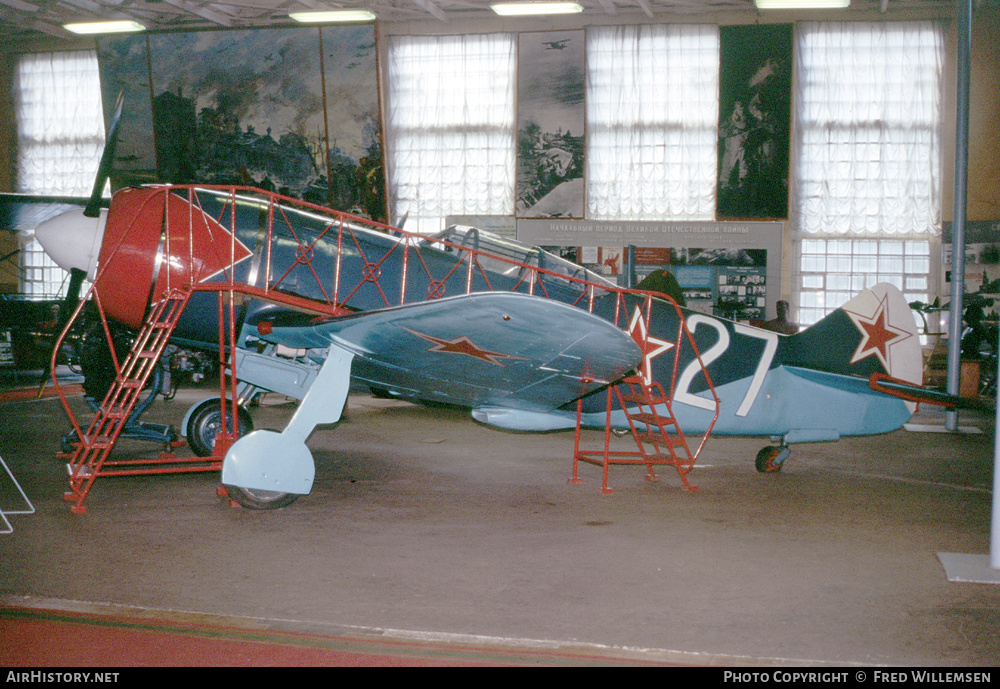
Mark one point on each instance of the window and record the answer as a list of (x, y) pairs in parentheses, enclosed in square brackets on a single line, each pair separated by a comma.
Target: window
[(652, 122), (866, 182), (451, 127), (60, 136), (834, 270)]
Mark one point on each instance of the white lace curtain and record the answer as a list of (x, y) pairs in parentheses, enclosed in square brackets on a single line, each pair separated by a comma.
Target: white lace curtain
[(868, 128), (60, 123), (652, 122), (451, 127), (60, 137)]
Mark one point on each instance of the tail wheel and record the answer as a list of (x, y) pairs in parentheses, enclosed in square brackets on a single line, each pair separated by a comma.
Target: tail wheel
[(772, 458)]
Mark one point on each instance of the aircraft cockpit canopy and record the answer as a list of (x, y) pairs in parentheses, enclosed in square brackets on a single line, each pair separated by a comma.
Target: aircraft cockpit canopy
[(512, 256)]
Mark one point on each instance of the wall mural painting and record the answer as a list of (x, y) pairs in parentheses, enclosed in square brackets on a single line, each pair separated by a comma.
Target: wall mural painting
[(754, 121), (357, 178), (124, 67), (247, 108), (550, 146)]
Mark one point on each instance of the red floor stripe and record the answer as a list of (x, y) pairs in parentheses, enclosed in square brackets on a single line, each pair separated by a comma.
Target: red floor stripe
[(32, 393), (44, 638)]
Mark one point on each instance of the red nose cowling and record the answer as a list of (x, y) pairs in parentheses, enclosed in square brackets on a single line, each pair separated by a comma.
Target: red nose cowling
[(155, 241)]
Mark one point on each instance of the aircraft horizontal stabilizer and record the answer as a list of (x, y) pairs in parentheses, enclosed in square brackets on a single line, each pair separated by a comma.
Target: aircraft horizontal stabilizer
[(916, 393)]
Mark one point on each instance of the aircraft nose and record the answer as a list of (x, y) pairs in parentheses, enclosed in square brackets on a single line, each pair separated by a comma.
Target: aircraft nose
[(73, 240)]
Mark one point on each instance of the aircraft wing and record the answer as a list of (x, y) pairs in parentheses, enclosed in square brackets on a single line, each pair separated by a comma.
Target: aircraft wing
[(490, 348), (25, 212)]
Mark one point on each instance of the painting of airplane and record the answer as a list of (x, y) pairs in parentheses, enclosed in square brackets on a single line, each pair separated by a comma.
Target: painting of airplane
[(300, 300)]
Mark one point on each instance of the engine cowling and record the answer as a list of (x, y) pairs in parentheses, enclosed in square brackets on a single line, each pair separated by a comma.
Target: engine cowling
[(156, 240)]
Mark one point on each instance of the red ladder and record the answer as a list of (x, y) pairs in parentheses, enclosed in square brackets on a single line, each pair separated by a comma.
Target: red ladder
[(658, 438), (95, 445)]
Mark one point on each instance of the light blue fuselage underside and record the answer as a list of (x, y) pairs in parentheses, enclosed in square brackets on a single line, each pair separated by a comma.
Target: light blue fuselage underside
[(798, 405)]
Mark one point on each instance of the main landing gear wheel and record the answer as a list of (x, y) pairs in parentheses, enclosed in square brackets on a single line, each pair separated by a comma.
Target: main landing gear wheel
[(205, 422), (772, 458), (254, 499)]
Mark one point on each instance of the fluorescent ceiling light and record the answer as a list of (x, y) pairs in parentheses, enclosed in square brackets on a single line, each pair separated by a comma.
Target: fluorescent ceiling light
[(333, 16), (123, 26), (514, 9), (802, 4)]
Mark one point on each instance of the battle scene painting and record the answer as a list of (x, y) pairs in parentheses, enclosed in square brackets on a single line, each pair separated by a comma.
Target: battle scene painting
[(550, 136), (123, 61), (248, 108)]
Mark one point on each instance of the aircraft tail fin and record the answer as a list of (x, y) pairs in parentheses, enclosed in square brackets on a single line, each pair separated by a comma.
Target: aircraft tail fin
[(874, 332)]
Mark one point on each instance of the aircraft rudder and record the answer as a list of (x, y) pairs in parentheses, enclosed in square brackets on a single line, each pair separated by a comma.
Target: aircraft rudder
[(874, 332)]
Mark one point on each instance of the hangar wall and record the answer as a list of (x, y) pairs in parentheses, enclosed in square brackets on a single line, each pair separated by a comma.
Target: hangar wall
[(984, 148)]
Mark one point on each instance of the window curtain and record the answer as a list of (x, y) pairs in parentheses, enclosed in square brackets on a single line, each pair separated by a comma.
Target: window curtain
[(60, 137), (868, 112), (451, 130), (60, 123), (652, 122)]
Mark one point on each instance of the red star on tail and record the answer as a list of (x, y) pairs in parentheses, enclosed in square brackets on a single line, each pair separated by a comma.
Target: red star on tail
[(877, 334)]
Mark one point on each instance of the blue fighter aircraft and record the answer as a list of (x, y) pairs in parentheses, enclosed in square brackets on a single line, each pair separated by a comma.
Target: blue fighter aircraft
[(514, 333), (299, 299)]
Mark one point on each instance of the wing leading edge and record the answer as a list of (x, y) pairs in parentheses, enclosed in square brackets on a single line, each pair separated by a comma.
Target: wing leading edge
[(491, 348)]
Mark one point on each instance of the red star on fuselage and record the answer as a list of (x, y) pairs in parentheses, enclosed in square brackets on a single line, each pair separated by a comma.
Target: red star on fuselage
[(651, 346), (463, 345), (877, 334)]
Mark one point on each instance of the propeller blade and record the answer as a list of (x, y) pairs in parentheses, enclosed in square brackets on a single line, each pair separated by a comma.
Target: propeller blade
[(76, 278), (93, 208)]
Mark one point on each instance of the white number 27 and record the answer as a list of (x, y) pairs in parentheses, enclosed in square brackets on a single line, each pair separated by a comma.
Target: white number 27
[(684, 394)]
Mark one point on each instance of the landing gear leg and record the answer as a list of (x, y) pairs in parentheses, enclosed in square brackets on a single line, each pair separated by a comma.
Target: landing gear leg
[(268, 470), (772, 458)]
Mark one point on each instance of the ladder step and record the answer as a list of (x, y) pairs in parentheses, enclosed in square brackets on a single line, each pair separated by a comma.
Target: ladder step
[(653, 419), (640, 398), (101, 442), (668, 459), (659, 438)]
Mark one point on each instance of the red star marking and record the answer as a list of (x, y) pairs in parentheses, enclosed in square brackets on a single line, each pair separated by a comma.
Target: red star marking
[(877, 334), (651, 346), (463, 345)]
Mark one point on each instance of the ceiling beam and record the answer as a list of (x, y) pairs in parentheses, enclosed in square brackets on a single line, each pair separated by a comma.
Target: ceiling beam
[(429, 6), (644, 4), (191, 7), (51, 29), (609, 7), (88, 5), (19, 5)]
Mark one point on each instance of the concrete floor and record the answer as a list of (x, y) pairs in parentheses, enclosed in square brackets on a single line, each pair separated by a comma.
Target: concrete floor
[(422, 522)]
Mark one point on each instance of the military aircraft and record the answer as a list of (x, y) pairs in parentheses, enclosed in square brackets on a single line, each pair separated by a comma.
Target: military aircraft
[(299, 299)]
